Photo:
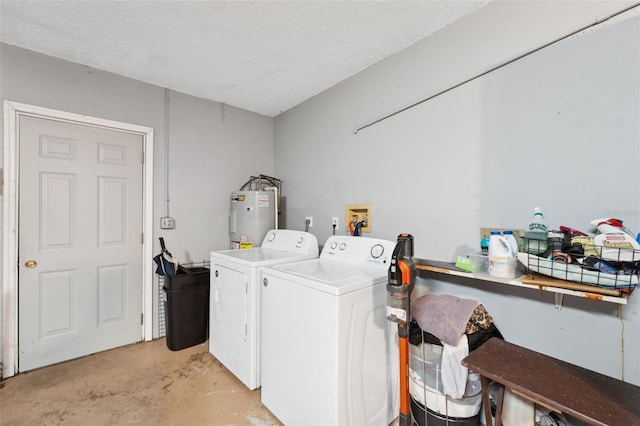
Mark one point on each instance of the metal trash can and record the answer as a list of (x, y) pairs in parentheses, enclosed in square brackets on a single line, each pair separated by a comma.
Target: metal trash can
[(186, 307)]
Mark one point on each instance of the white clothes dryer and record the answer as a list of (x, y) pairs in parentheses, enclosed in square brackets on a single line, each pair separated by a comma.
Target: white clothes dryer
[(234, 332), (329, 354)]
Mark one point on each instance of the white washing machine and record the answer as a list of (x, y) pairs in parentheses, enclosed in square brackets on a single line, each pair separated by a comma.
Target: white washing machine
[(234, 337), (329, 354)]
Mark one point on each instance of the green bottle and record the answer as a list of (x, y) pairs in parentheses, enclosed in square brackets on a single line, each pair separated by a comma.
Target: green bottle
[(535, 237)]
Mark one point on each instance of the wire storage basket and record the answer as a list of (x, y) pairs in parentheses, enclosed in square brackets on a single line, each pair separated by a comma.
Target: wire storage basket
[(615, 268)]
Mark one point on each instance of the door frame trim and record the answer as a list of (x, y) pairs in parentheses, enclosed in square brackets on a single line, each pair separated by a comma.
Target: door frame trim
[(12, 111)]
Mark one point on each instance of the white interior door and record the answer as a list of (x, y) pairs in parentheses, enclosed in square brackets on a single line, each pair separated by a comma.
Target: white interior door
[(80, 240)]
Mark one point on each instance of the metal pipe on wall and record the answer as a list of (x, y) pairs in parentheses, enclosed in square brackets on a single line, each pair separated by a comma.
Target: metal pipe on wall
[(455, 86)]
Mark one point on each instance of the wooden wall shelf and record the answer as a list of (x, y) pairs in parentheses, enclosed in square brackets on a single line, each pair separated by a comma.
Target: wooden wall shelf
[(427, 268)]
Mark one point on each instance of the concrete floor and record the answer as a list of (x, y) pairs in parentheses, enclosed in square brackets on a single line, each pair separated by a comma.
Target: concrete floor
[(144, 383)]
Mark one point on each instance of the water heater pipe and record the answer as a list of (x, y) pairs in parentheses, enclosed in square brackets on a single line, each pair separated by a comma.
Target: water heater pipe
[(275, 202), (166, 149)]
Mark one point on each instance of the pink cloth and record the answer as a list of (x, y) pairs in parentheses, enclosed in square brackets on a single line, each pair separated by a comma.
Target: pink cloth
[(443, 315)]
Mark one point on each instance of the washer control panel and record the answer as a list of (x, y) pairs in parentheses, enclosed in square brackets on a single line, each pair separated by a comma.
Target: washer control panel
[(363, 251)]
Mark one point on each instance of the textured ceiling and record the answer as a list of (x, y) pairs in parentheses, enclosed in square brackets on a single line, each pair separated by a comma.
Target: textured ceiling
[(263, 56)]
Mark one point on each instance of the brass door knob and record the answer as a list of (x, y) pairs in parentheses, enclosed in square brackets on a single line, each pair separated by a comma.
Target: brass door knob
[(31, 263)]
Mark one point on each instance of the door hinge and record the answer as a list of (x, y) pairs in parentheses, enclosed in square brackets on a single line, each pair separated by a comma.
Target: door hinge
[(142, 157), (142, 238), (141, 319)]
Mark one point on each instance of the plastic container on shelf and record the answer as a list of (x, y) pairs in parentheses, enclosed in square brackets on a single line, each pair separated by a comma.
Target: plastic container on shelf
[(555, 240), (535, 241), (479, 262)]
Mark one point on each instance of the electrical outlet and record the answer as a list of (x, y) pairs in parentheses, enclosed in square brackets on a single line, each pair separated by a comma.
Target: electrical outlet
[(167, 223), (310, 219), (334, 222)]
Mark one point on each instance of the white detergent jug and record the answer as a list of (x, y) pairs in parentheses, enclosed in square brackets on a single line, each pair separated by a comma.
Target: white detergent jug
[(501, 257), (615, 243), (513, 242)]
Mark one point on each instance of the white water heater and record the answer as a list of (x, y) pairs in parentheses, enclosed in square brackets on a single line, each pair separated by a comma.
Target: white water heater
[(252, 214)]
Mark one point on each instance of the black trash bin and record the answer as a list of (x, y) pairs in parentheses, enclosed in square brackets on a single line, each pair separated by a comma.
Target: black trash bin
[(186, 307)]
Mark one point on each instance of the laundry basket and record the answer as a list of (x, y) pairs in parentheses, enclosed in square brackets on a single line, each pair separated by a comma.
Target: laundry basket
[(429, 405)]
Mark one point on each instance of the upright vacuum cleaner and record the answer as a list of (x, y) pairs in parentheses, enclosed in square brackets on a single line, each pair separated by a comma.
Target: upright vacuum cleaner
[(402, 277)]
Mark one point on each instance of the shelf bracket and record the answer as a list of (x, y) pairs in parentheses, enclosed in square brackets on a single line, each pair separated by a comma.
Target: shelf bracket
[(558, 300)]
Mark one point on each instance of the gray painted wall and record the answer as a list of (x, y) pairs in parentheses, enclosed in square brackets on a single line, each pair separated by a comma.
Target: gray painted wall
[(440, 171), (557, 129), (213, 149)]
